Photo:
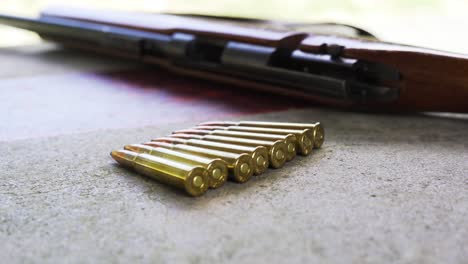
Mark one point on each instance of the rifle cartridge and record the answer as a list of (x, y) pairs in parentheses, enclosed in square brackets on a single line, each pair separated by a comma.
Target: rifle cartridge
[(319, 133), (277, 150), (304, 137), (217, 168), (259, 154), (289, 139), (241, 166), (193, 179)]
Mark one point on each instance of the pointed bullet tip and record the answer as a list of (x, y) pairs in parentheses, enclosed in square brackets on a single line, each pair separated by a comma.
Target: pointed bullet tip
[(212, 123), (181, 135), (114, 153), (123, 157), (119, 154), (161, 139), (130, 147), (189, 131)]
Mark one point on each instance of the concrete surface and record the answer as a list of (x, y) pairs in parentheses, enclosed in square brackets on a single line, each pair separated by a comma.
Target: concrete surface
[(383, 189)]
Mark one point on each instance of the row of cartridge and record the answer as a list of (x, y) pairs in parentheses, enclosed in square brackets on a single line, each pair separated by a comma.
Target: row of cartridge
[(207, 155)]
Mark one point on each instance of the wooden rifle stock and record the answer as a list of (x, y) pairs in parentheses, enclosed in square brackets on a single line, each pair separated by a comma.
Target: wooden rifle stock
[(431, 80)]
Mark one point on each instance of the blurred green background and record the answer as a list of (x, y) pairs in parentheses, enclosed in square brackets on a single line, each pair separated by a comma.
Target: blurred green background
[(439, 24)]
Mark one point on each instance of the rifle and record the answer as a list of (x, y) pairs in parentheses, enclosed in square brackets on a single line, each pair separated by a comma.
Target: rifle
[(352, 69)]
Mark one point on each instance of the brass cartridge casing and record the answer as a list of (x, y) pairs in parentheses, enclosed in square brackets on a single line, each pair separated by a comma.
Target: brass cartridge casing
[(276, 150), (319, 133), (289, 139), (193, 179), (240, 165), (217, 168), (304, 137), (259, 154)]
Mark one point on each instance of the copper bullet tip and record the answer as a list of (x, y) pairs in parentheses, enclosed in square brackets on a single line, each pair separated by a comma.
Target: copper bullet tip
[(191, 131), (131, 148), (124, 157), (218, 123), (113, 153), (169, 140), (211, 128), (186, 136)]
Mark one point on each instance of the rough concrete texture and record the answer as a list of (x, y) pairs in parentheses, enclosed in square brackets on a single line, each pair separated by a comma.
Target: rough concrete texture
[(382, 189), (48, 59)]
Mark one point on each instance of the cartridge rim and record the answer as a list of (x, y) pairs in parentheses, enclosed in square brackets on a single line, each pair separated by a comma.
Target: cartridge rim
[(260, 160), (290, 141), (319, 136), (243, 168), (217, 172), (197, 181), (305, 144), (278, 153)]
